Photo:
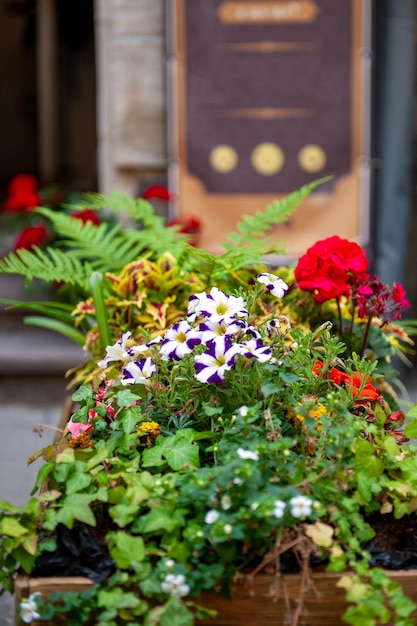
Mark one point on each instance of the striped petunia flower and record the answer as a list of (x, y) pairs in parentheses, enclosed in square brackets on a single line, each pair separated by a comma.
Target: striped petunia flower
[(255, 349), (210, 329), (179, 341), (218, 305), (138, 372), (275, 285), (116, 352), (219, 357)]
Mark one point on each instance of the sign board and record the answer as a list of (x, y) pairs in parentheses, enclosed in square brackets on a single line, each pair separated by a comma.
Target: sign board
[(268, 96)]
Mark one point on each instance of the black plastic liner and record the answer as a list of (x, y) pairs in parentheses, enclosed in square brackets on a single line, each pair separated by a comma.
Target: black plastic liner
[(78, 553)]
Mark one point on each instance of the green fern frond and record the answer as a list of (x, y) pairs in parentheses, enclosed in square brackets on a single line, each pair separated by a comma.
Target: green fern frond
[(136, 208), (52, 265), (253, 227), (105, 248)]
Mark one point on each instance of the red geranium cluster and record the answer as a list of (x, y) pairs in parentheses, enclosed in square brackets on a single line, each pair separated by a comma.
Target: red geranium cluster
[(331, 267), (32, 236), (359, 386), (22, 194)]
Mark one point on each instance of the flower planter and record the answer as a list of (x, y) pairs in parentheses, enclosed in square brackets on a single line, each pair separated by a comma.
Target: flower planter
[(265, 601)]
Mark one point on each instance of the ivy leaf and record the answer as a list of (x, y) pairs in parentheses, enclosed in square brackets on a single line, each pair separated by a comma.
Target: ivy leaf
[(152, 457), (12, 528), (77, 507), (157, 520), (77, 481), (123, 514), (125, 398), (411, 429), (366, 460), (180, 453), (126, 550), (176, 614), (85, 392)]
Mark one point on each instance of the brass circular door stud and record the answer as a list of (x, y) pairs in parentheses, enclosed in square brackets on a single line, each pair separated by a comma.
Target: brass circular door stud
[(312, 158), (223, 159), (267, 159)]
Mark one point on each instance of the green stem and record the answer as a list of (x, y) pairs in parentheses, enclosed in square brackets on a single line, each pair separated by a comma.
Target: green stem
[(339, 313), (365, 337), (97, 292)]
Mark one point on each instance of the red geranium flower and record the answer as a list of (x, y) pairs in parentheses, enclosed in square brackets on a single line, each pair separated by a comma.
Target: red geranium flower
[(331, 267), (159, 192), (32, 236), (22, 194), (87, 216), (189, 226)]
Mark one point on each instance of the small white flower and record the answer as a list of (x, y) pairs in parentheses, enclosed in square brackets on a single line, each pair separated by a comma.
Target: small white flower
[(300, 506), (228, 529), (211, 516), (169, 563), (279, 508), (247, 454), (273, 283), (175, 585), (226, 502), (243, 411), (29, 608), (238, 481), (254, 505)]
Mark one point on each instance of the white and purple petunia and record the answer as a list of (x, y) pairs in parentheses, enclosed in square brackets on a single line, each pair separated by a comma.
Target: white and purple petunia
[(211, 329), (135, 352), (219, 357), (179, 341), (194, 303), (218, 305), (274, 284), (255, 349), (116, 352), (138, 372)]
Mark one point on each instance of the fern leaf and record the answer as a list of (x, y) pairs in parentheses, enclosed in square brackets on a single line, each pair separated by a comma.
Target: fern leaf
[(252, 227), (52, 265)]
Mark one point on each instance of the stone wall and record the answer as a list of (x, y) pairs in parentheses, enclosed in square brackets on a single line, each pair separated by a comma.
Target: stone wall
[(131, 94)]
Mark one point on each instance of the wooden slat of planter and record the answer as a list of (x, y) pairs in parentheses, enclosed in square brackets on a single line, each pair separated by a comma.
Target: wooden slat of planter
[(24, 586), (252, 604)]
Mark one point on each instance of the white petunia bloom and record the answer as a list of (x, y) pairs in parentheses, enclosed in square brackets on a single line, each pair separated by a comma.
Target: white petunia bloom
[(300, 506), (138, 372), (211, 516), (116, 352), (273, 283), (175, 585), (29, 609), (279, 508), (247, 454)]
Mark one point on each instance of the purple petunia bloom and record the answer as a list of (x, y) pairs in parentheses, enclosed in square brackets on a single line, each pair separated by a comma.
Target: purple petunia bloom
[(219, 357), (116, 352), (179, 341)]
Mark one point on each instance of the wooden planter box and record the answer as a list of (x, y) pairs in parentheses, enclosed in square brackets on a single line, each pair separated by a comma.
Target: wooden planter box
[(253, 605)]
